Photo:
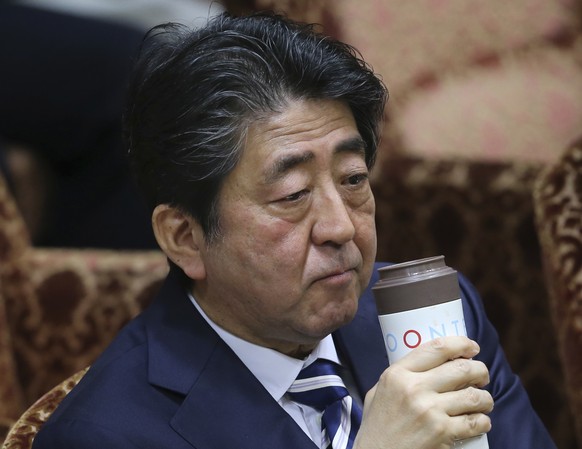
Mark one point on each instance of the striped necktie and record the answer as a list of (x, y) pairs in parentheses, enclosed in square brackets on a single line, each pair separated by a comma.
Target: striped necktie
[(320, 387)]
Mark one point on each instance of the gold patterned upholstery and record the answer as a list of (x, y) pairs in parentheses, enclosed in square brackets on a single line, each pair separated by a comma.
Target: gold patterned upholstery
[(13, 241), (558, 205), (11, 401), (464, 72), (59, 308), (480, 216), (25, 429)]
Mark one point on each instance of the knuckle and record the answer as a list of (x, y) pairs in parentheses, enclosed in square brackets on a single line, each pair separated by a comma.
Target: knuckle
[(462, 365), (473, 396), (472, 421), (396, 375), (440, 430), (423, 410), (387, 375), (477, 423), (390, 375), (370, 395), (437, 343), (478, 399), (410, 390)]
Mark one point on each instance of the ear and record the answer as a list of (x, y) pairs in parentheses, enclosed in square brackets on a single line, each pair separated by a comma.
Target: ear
[(180, 236)]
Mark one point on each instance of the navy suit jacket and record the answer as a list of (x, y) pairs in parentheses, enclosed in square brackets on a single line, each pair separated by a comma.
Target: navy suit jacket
[(169, 381)]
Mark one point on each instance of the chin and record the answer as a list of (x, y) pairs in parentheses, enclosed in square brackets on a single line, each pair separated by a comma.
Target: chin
[(338, 318)]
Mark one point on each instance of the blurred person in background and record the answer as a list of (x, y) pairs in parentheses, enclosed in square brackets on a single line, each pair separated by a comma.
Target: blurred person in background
[(65, 68)]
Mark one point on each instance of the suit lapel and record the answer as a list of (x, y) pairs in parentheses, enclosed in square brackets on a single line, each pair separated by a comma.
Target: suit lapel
[(224, 405), (228, 407)]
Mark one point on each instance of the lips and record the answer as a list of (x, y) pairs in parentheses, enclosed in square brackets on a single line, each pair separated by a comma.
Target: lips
[(339, 272), (335, 274)]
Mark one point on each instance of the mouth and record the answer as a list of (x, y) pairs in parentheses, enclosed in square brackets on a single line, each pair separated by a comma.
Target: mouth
[(338, 277)]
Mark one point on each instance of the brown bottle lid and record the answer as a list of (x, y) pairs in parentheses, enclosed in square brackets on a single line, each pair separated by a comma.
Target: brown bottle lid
[(415, 284)]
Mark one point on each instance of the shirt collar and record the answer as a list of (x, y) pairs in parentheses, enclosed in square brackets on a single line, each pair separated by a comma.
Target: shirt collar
[(275, 371)]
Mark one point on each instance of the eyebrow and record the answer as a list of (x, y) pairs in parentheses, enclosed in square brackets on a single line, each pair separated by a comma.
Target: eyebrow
[(284, 164), (352, 145)]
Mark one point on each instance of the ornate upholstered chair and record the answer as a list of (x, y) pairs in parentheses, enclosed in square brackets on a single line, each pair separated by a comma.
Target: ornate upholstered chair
[(480, 216), (558, 206), (25, 429), (59, 308), (11, 401)]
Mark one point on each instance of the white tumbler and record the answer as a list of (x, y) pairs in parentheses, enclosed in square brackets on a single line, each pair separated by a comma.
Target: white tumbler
[(418, 301)]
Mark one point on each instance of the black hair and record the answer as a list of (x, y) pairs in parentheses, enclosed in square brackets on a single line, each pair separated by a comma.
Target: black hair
[(194, 94)]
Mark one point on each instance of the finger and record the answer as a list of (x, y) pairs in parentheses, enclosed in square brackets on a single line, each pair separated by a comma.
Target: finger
[(457, 374), (468, 426), (469, 400), (438, 351)]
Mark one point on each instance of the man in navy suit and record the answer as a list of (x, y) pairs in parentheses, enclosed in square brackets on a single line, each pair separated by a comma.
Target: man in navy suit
[(252, 139)]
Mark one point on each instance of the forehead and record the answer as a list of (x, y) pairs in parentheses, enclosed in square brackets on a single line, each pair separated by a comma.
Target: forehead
[(304, 130)]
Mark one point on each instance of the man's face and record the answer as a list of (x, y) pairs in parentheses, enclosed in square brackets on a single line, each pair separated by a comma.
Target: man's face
[(298, 237)]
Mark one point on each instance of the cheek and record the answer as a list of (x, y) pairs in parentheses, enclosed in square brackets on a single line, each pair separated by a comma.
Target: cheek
[(365, 223), (366, 242), (283, 241), (272, 242)]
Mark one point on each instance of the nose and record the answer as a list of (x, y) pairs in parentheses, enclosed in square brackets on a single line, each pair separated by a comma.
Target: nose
[(333, 223)]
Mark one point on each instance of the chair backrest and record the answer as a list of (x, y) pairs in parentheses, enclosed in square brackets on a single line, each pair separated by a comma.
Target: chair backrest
[(558, 208), (14, 241), (14, 236), (27, 426), (11, 397), (59, 308)]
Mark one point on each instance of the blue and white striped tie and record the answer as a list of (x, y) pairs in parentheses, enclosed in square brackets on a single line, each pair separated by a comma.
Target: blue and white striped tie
[(320, 387)]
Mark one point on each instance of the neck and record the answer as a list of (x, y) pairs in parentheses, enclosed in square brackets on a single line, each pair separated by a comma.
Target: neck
[(290, 348)]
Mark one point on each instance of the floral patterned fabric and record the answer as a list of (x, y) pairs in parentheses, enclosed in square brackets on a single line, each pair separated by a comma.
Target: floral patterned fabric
[(558, 200), (480, 217), (11, 400), (25, 429), (525, 106), (13, 243), (65, 306), (60, 308), (493, 81), (414, 42)]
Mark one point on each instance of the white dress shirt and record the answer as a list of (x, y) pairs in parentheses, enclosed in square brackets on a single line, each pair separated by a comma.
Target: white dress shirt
[(277, 371)]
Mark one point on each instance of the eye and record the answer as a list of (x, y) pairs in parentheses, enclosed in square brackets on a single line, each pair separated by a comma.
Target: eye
[(357, 179), (295, 196)]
